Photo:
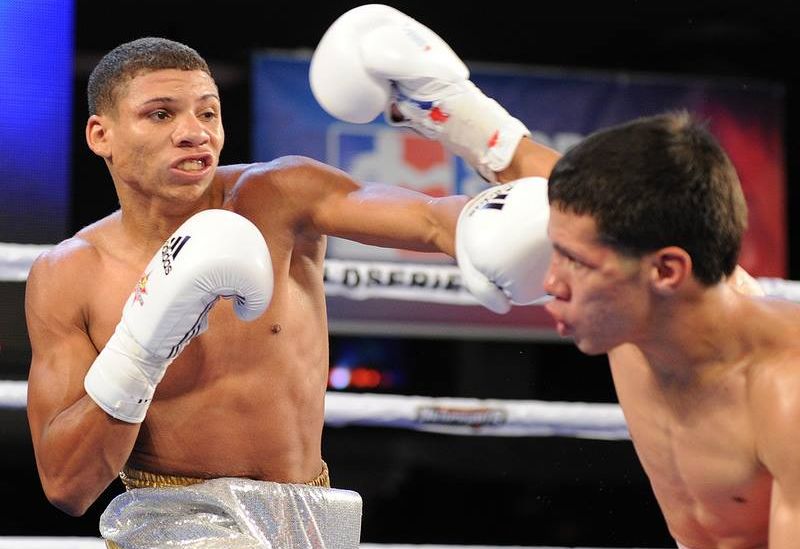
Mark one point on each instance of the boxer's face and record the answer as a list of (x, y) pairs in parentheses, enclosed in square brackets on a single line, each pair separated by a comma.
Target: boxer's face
[(600, 296), (165, 135)]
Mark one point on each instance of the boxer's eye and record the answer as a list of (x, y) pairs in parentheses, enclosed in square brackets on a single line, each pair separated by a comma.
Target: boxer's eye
[(569, 260), (159, 115)]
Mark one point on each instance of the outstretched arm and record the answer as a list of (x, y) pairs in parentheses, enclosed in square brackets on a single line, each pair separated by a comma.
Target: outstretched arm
[(319, 200)]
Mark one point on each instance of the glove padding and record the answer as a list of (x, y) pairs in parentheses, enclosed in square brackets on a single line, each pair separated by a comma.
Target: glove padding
[(354, 62), (215, 253), (502, 248), (375, 58)]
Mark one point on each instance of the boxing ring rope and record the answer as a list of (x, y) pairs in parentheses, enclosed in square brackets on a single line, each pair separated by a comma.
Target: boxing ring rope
[(447, 415), (33, 542)]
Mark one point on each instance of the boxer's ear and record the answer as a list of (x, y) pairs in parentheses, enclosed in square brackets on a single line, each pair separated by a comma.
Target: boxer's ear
[(97, 136), (669, 269)]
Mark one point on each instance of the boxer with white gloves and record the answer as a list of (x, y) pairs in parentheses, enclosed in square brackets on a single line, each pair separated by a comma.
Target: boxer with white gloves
[(215, 253), (242, 407), (644, 270), (375, 59)]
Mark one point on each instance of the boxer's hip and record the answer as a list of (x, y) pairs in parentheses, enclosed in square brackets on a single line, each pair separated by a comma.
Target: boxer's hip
[(162, 510)]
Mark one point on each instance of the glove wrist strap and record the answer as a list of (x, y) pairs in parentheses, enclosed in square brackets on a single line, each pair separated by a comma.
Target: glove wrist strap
[(467, 123), (123, 378)]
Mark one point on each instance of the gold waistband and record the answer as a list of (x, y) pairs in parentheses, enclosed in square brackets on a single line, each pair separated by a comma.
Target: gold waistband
[(135, 478)]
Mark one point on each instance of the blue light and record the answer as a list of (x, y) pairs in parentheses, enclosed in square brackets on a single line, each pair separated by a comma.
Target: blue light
[(339, 378), (36, 53)]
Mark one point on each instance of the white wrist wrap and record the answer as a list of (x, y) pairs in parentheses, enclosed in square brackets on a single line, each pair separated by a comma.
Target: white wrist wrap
[(118, 382), (375, 58), (467, 122)]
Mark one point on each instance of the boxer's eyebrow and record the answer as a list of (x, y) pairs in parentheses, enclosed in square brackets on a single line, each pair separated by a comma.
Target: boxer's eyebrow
[(573, 256), (168, 99), (165, 99), (208, 96)]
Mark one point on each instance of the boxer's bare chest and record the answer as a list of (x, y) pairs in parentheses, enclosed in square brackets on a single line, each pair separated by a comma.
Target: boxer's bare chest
[(292, 331), (699, 453)]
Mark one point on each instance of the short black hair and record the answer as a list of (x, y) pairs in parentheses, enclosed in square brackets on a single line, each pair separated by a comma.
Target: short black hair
[(127, 60), (657, 181)]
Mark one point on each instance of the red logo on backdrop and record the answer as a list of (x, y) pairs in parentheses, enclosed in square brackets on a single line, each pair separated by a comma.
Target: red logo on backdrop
[(397, 157)]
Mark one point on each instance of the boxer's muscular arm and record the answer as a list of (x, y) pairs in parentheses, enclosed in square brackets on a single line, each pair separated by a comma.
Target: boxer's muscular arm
[(776, 410), (79, 448), (391, 216), (327, 201), (531, 159), (386, 215), (82, 438)]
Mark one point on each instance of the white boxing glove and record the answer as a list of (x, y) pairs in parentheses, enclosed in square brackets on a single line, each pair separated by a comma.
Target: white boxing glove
[(375, 58), (340, 80), (502, 248), (213, 254)]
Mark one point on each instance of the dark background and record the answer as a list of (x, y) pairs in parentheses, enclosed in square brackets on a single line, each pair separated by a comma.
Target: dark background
[(426, 488)]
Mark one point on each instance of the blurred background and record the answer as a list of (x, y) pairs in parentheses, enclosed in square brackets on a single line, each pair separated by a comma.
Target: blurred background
[(565, 68)]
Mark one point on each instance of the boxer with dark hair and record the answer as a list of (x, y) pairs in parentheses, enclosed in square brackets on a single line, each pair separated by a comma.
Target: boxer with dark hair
[(646, 221)]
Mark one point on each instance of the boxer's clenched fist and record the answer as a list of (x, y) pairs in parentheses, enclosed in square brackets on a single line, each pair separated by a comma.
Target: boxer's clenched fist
[(502, 247), (213, 254)]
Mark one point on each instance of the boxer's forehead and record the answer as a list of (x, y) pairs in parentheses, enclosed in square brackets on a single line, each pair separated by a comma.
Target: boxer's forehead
[(170, 85), (576, 236), (572, 230)]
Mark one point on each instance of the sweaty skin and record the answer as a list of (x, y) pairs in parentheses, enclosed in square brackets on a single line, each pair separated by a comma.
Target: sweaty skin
[(707, 379), (242, 399)]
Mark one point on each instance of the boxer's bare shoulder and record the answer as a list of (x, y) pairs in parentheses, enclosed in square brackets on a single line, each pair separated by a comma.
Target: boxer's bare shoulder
[(69, 260), (773, 325), (289, 188), (295, 178), (774, 401), (58, 280), (66, 276)]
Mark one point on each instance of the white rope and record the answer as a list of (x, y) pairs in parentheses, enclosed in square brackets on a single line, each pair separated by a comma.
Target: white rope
[(430, 283), (480, 417), (24, 542), (16, 260), (13, 394), (30, 542), (778, 287), (454, 416)]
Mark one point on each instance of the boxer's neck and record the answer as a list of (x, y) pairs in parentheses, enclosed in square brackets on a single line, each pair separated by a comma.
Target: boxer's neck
[(691, 336)]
